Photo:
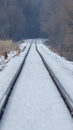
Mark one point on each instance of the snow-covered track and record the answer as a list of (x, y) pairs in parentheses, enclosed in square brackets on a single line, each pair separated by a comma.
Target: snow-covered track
[(5, 97), (66, 97)]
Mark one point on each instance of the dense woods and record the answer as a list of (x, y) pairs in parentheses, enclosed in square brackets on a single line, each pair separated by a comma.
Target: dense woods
[(19, 19), (52, 19), (57, 21)]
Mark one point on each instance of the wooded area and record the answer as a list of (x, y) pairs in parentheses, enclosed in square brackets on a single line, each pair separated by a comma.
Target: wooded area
[(19, 19), (57, 21), (51, 19)]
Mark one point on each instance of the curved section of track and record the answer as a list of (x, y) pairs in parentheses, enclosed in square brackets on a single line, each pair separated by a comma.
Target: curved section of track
[(7, 93), (67, 99)]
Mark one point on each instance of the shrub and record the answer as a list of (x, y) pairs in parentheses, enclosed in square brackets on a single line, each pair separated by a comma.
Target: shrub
[(6, 46)]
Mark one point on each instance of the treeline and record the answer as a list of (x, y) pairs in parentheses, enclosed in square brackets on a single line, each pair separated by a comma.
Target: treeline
[(19, 19), (42, 18), (56, 19)]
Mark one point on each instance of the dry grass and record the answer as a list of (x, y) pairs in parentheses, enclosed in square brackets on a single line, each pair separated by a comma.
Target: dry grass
[(7, 45)]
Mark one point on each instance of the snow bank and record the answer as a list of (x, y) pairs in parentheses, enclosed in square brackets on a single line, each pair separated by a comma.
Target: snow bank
[(8, 73), (62, 68)]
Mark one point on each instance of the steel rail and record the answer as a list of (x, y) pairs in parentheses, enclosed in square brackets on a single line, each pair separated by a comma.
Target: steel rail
[(67, 99), (5, 98)]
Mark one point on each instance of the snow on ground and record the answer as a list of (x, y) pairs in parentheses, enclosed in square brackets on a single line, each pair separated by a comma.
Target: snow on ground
[(35, 103), (22, 45), (11, 54), (1, 62), (7, 74), (60, 66), (4, 61)]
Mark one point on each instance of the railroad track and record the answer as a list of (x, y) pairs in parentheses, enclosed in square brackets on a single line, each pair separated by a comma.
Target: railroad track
[(67, 99), (5, 97)]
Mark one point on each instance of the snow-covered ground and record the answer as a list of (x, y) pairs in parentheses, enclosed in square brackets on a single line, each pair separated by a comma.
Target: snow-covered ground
[(11, 54), (35, 103), (7, 74), (62, 68), (3, 61)]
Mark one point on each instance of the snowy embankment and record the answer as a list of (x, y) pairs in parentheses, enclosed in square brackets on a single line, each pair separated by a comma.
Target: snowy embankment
[(4, 61), (11, 54), (7, 74), (62, 68)]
